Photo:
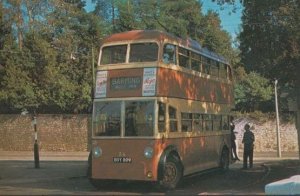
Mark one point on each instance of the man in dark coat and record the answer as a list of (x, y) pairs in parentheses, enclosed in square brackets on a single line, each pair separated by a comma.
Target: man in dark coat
[(248, 141)]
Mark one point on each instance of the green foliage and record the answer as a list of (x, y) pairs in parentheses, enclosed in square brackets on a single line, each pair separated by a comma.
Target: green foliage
[(45, 46), (270, 40), (252, 92), (51, 72)]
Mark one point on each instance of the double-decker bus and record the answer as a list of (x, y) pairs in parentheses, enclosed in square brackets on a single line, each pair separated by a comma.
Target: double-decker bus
[(161, 109)]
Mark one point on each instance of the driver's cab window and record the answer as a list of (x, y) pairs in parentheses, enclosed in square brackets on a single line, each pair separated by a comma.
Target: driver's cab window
[(139, 118), (169, 54)]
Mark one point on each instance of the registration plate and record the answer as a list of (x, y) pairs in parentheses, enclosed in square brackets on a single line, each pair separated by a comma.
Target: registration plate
[(122, 159)]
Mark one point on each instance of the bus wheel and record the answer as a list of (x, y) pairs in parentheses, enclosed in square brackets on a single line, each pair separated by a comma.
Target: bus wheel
[(224, 162), (172, 173)]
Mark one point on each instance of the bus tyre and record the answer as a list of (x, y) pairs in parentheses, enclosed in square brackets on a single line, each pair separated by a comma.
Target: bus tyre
[(172, 173), (224, 161)]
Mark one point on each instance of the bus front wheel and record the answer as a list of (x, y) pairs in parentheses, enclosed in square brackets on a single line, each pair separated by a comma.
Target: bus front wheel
[(172, 173)]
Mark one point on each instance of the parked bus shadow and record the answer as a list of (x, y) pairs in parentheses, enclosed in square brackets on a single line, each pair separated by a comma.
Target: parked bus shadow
[(69, 177)]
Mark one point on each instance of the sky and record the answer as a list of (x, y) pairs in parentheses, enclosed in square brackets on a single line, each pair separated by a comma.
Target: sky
[(230, 21)]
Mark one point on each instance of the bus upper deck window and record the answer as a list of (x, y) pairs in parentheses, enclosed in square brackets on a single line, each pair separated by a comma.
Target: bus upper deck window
[(143, 52), (195, 61), (183, 57), (169, 55), (113, 54), (206, 65)]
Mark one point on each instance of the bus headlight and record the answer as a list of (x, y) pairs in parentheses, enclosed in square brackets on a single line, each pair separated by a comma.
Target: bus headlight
[(97, 152), (148, 152)]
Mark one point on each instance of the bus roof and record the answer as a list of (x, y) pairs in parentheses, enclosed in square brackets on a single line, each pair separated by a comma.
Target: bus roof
[(160, 36)]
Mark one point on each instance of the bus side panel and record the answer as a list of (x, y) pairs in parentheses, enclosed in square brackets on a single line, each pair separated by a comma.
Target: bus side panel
[(172, 83), (200, 152)]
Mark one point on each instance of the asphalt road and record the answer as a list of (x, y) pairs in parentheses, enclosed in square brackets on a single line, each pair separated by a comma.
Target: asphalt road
[(59, 177)]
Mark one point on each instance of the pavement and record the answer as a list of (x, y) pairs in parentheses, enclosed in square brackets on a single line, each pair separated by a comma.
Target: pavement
[(83, 156)]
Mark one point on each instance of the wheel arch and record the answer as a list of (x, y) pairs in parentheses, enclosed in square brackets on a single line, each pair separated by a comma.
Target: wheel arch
[(169, 151)]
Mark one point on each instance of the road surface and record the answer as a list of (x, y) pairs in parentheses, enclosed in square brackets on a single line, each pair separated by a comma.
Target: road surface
[(68, 177)]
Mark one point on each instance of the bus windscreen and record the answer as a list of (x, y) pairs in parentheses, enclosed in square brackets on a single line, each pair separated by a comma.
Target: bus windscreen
[(138, 119)]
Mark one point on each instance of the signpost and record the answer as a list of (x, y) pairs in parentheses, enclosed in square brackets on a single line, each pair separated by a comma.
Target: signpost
[(35, 146)]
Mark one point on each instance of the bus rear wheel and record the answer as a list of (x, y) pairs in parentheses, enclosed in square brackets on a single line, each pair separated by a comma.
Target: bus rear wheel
[(224, 161), (172, 173)]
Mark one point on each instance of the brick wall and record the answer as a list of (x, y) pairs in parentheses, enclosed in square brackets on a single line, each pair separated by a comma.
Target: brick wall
[(72, 133)]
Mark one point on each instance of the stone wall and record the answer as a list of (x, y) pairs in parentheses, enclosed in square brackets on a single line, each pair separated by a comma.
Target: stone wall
[(266, 135), (72, 133), (55, 132)]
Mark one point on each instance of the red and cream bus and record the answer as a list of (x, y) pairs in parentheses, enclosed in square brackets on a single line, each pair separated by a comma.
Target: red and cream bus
[(160, 109)]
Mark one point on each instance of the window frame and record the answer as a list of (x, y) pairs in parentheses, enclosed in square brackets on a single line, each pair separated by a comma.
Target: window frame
[(173, 120), (187, 117), (186, 56), (113, 46), (140, 43)]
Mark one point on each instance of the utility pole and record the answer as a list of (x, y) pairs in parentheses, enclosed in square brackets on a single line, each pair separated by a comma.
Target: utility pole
[(277, 121)]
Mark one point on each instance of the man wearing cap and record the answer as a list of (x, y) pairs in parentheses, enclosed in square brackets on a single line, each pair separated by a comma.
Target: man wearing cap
[(248, 141)]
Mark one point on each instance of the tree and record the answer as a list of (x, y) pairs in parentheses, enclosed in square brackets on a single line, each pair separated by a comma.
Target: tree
[(52, 69), (216, 39), (270, 42), (252, 92)]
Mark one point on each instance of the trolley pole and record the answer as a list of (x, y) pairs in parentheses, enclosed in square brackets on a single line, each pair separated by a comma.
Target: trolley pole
[(35, 146), (277, 121)]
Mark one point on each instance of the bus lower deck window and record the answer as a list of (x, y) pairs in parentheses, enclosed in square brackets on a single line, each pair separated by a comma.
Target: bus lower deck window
[(161, 117), (173, 119), (107, 119)]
